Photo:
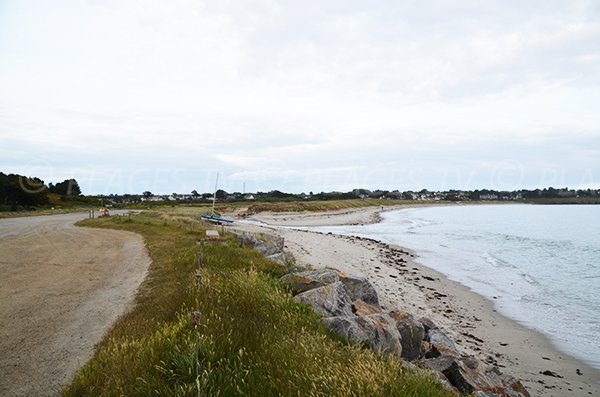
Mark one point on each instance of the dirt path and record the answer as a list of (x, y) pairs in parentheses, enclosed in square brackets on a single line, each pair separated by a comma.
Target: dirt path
[(61, 287)]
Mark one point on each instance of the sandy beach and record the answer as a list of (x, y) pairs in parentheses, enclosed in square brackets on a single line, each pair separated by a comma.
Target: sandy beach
[(402, 282)]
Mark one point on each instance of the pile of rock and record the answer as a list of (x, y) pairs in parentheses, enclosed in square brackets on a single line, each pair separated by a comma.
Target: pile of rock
[(350, 307), (269, 246)]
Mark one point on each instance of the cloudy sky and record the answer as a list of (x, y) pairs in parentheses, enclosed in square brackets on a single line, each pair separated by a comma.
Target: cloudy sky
[(301, 96)]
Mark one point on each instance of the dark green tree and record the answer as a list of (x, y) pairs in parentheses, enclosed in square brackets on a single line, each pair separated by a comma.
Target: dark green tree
[(68, 188), (18, 190), (221, 194)]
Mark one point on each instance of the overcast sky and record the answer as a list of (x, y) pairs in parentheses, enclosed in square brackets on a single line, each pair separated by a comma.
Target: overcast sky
[(301, 96)]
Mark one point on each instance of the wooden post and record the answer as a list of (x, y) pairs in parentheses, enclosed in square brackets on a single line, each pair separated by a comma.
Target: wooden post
[(200, 258), (196, 317)]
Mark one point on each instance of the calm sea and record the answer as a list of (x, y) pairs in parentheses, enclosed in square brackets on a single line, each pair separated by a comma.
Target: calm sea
[(540, 265)]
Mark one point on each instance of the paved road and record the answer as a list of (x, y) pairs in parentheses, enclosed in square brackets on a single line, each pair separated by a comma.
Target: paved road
[(61, 287)]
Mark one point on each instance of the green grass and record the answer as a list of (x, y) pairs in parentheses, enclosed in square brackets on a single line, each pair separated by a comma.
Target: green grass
[(323, 205), (253, 339)]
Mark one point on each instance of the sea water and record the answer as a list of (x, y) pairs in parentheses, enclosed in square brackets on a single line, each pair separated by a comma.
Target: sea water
[(540, 265)]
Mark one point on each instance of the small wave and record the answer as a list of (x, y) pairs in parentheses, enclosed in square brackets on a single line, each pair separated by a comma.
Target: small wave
[(496, 262), (530, 279)]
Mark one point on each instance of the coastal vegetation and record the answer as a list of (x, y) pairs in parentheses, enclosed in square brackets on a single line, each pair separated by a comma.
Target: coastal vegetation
[(333, 205), (250, 337), (21, 195)]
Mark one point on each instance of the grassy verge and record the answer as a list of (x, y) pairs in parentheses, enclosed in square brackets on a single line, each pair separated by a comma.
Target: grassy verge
[(300, 206), (253, 339)]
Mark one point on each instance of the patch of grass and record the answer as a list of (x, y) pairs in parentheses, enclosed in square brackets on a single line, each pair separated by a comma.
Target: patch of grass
[(253, 339), (321, 205)]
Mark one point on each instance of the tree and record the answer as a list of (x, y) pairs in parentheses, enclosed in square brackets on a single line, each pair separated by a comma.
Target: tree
[(68, 187), (195, 193), (18, 190), (147, 194), (221, 194)]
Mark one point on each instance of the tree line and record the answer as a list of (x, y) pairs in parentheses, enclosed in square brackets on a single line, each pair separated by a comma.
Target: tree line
[(19, 192)]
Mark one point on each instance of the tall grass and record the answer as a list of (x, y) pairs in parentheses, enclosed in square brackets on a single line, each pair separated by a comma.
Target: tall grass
[(253, 339)]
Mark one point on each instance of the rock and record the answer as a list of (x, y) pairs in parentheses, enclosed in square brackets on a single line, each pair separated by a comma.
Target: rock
[(514, 384), (265, 245), (427, 324), (358, 287), (480, 393), (440, 344), (444, 382), (425, 347), (330, 300), (438, 364), (382, 333), (469, 376), (440, 350), (550, 373), (376, 331), (412, 333), (310, 279), (278, 258), (362, 308), (348, 327)]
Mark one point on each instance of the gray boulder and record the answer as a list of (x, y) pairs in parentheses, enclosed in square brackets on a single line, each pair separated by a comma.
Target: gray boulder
[(266, 248), (362, 308), (412, 333), (469, 375), (330, 300), (427, 324), (310, 279), (359, 287), (382, 333), (440, 344), (377, 331), (348, 327), (278, 258)]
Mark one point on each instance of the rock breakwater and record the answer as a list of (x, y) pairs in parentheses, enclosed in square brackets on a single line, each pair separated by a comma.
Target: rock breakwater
[(350, 307)]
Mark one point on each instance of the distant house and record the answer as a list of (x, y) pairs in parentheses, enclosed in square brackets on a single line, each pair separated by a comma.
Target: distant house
[(489, 196), (249, 197), (566, 193)]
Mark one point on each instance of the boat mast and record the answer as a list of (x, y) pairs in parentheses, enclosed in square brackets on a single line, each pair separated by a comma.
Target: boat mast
[(215, 194)]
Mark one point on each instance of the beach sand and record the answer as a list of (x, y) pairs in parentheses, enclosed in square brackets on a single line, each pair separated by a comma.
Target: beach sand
[(402, 282)]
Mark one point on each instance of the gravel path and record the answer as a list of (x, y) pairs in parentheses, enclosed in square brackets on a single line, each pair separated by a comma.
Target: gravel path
[(61, 288)]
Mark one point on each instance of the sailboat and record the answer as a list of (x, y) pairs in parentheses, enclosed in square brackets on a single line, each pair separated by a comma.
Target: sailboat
[(213, 218)]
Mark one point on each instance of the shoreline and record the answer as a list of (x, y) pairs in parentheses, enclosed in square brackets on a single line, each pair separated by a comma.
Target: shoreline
[(403, 282)]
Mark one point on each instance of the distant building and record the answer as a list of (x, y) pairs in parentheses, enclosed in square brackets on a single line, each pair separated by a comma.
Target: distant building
[(566, 193), (489, 196)]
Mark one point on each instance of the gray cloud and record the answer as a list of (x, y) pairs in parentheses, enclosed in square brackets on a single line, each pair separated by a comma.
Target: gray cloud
[(301, 96)]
